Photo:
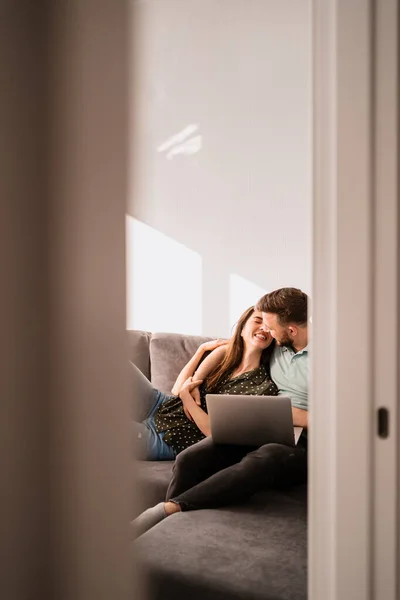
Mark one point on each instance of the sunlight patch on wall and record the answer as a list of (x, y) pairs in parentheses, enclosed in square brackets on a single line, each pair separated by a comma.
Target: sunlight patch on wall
[(182, 143), (242, 294), (164, 282)]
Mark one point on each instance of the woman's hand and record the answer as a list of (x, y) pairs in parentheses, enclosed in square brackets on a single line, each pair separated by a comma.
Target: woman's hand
[(193, 412), (196, 395), (189, 393), (210, 346), (187, 388)]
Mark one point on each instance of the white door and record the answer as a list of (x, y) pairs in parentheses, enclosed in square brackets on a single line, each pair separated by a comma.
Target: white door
[(354, 518)]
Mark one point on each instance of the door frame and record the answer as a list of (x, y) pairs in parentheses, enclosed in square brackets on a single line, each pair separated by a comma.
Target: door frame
[(353, 503)]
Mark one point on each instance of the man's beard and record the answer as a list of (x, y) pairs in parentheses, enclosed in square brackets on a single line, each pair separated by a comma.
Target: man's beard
[(285, 341)]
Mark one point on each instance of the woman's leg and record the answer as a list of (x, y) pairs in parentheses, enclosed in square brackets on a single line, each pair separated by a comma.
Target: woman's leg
[(149, 444), (145, 398), (271, 466)]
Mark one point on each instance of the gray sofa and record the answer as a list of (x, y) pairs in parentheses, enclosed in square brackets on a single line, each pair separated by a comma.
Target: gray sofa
[(256, 551)]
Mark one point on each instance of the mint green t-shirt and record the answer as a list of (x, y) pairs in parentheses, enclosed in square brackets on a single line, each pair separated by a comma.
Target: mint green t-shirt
[(289, 371)]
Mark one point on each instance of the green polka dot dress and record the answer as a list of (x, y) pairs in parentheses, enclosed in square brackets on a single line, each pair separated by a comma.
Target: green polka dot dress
[(180, 432)]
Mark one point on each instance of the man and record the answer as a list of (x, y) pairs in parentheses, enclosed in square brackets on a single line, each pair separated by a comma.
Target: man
[(285, 317), (208, 475)]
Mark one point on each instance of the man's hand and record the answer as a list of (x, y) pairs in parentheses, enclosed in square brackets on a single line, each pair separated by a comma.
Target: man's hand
[(210, 346)]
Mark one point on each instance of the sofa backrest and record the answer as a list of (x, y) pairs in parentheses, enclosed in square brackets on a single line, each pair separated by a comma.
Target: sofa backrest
[(161, 356), (169, 352)]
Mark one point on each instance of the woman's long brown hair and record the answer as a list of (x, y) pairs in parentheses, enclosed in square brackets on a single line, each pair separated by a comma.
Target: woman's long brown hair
[(234, 354)]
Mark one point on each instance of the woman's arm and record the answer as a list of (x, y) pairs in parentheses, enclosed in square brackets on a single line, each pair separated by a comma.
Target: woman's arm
[(197, 414), (202, 420), (206, 367), (218, 351)]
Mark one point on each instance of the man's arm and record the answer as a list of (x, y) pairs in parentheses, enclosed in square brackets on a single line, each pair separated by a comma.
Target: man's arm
[(218, 349), (209, 363), (300, 417)]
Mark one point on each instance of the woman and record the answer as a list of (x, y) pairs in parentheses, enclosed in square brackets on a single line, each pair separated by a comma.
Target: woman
[(165, 425)]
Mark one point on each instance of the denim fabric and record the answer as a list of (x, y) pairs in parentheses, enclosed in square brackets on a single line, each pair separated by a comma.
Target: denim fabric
[(149, 444), (156, 448)]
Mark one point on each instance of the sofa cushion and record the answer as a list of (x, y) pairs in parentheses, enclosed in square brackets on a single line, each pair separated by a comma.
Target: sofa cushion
[(169, 352), (139, 354), (257, 551)]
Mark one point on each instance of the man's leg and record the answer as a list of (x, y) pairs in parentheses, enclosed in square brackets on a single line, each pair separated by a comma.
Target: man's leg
[(271, 466), (200, 461)]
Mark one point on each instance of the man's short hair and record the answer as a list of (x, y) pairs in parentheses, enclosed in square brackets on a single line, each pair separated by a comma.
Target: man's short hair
[(289, 304)]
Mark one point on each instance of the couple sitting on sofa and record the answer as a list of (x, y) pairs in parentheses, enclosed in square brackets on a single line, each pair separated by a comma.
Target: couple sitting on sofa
[(267, 355)]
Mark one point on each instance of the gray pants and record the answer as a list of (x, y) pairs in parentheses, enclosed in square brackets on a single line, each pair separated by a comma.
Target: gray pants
[(208, 475)]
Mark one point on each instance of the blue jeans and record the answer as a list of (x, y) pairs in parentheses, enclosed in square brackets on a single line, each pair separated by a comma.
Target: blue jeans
[(148, 443)]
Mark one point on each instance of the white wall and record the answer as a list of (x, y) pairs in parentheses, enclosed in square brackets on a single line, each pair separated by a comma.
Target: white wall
[(234, 189)]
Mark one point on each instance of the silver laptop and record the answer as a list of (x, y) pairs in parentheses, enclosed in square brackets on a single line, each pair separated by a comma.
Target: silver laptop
[(251, 420)]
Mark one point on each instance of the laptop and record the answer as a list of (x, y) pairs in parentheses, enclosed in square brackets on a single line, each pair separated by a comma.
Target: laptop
[(251, 420)]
